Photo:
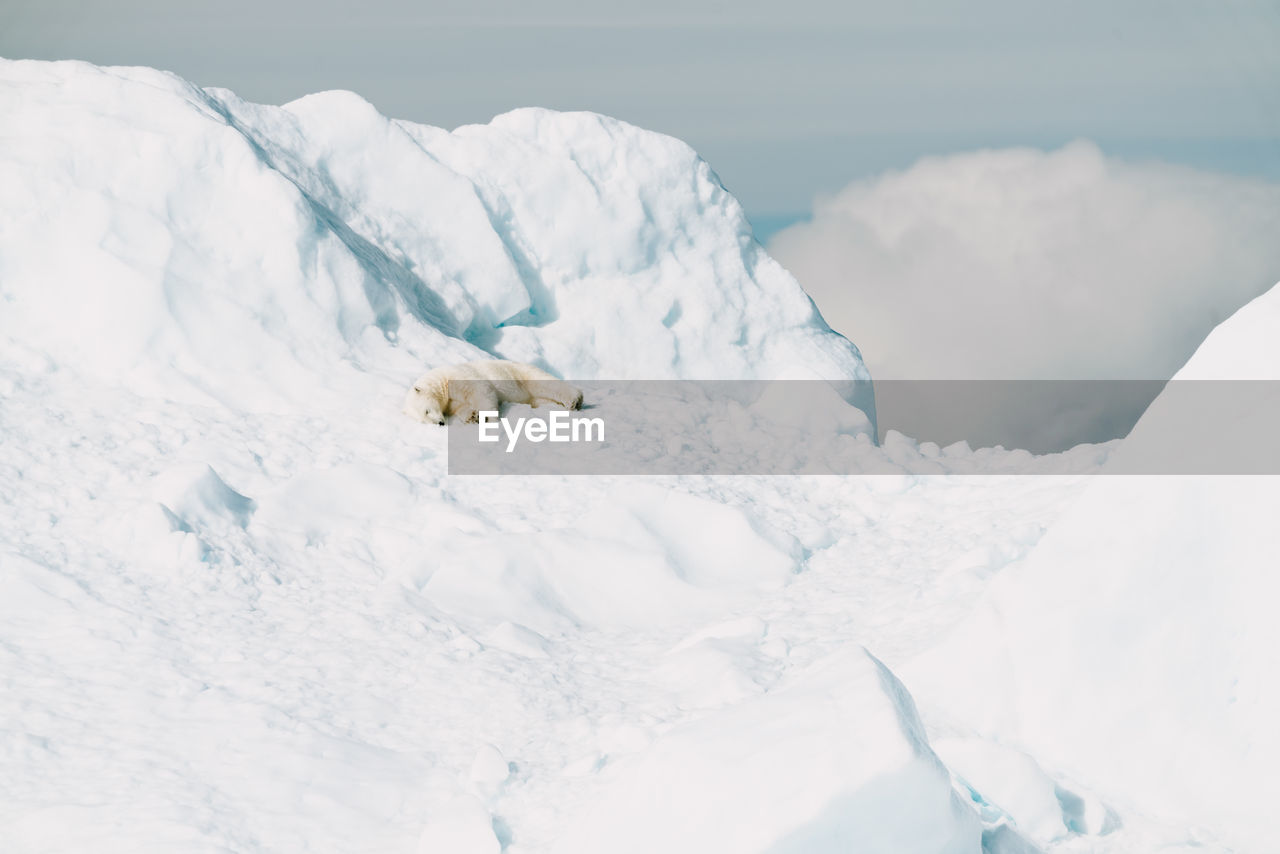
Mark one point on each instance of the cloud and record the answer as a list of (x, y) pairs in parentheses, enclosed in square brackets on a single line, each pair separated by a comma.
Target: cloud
[(1022, 264)]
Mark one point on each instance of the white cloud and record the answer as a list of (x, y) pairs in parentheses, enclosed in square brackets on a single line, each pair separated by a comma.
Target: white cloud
[(1021, 264)]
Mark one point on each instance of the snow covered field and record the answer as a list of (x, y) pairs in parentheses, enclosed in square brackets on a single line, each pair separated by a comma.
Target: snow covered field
[(243, 608)]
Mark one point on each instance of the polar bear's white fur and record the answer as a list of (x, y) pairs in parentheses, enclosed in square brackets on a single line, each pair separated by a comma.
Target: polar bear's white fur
[(467, 389)]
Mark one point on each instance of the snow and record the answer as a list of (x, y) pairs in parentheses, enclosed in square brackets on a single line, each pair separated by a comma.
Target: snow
[(1242, 348), (463, 826), (671, 558), (243, 606), (338, 243), (1134, 648), (787, 772)]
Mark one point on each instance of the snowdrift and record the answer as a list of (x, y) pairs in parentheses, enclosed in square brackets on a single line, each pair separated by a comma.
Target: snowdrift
[(790, 773), (179, 240), (1134, 650)]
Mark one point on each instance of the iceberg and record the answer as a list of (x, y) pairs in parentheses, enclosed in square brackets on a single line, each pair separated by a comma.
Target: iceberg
[(1134, 649), (176, 239)]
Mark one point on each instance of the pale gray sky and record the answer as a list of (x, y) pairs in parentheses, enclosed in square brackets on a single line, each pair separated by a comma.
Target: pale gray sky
[(786, 100)]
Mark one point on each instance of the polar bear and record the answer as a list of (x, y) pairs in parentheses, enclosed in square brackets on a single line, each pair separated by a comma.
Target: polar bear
[(468, 389)]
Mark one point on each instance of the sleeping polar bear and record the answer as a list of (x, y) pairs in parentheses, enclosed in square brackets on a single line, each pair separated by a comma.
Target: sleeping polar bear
[(467, 389)]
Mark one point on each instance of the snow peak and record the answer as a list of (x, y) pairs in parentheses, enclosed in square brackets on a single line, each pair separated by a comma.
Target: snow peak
[(560, 426)]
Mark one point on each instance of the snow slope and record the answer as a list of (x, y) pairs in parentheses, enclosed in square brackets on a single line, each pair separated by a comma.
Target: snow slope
[(873, 787), (1134, 650), (244, 608), (338, 243)]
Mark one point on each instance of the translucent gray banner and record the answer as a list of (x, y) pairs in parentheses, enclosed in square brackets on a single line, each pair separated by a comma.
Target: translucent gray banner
[(817, 427)]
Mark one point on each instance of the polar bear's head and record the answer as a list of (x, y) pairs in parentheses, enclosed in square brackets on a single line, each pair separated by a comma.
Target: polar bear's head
[(428, 400)]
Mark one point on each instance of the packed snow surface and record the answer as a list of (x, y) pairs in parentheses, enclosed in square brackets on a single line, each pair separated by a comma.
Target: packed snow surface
[(1135, 648), (244, 608)]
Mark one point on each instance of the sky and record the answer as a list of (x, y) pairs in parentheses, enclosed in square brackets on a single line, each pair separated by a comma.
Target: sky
[(788, 101), (1022, 264)]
